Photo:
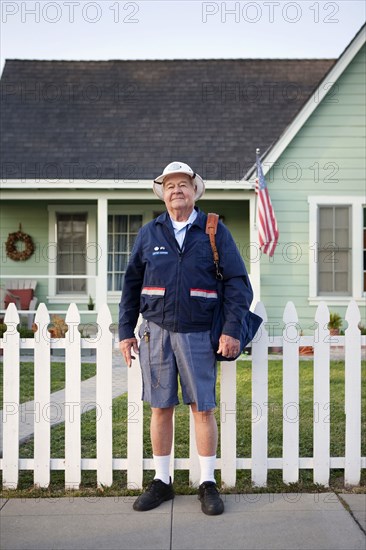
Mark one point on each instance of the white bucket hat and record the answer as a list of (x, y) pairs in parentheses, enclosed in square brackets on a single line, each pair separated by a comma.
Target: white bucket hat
[(179, 168)]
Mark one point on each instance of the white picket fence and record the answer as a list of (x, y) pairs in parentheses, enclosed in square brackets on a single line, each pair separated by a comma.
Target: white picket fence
[(321, 462)]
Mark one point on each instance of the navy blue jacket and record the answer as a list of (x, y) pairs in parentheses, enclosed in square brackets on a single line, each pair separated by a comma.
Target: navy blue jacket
[(177, 289)]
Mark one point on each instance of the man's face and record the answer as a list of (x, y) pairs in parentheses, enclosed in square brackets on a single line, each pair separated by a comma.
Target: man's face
[(179, 192)]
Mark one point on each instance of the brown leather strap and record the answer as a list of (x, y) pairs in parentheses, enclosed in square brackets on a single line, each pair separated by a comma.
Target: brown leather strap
[(211, 229)]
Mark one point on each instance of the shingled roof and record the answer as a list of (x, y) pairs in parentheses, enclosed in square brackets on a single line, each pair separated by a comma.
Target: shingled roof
[(128, 119)]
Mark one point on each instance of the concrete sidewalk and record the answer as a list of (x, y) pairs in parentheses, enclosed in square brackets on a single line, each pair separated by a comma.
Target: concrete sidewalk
[(251, 521)]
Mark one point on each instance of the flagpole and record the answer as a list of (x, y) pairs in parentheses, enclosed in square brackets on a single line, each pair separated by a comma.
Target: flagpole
[(255, 266), (257, 152)]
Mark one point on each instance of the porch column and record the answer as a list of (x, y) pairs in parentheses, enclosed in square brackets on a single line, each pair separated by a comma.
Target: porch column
[(255, 264), (102, 239)]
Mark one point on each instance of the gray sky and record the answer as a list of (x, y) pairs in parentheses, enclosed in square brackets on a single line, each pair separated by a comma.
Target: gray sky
[(149, 29)]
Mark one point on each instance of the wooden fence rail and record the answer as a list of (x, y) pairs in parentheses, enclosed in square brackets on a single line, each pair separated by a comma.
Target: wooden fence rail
[(135, 463)]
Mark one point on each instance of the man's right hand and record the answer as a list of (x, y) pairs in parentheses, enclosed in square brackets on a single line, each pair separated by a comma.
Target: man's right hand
[(125, 347)]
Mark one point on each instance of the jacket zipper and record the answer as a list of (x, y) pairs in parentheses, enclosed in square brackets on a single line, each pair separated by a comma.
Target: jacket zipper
[(178, 277)]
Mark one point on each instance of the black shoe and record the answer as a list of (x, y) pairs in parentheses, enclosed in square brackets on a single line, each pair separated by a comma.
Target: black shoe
[(211, 502), (155, 494)]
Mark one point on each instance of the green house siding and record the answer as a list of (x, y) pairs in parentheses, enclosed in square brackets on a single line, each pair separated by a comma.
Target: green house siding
[(327, 157), (33, 217), (236, 218)]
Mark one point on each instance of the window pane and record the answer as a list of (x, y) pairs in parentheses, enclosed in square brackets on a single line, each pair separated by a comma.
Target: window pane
[(123, 231), (326, 261), (64, 264), (334, 252), (78, 227), (64, 285), (341, 217), (120, 262), (341, 282), (135, 223), (118, 281), (131, 243), (325, 217), (341, 238), (325, 282), (341, 261), (79, 285), (110, 243), (110, 262), (79, 244), (120, 225), (71, 258), (120, 243), (79, 264), (325, 237), (110, 224)]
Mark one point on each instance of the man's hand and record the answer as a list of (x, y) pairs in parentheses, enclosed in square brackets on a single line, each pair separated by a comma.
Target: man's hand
[(228, 346), (125, 347)]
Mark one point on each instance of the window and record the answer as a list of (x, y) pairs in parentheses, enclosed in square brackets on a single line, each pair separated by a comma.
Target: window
[(334, 251), (122, 232), (71, 252)]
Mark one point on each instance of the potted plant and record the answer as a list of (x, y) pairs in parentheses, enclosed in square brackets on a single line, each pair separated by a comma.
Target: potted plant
[(305, 350), (90, 304), (335, 324), (58, 327)]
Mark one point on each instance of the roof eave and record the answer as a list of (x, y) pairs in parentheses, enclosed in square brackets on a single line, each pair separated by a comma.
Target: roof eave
[(26, 184)]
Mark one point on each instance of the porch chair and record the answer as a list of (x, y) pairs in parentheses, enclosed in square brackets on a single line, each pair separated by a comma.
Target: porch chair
[(21, 293)]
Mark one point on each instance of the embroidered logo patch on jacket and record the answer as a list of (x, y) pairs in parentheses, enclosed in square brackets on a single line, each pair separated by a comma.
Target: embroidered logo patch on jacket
[(159, 250)]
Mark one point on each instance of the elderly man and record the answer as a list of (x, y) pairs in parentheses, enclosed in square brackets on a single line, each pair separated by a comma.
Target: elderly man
[(171, 281)]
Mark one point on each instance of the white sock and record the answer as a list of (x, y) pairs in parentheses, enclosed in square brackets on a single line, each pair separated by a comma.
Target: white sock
[(162, 464), (207, 464)]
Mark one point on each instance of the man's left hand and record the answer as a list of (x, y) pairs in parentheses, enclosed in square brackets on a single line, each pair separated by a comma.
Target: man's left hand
[(228, 346)]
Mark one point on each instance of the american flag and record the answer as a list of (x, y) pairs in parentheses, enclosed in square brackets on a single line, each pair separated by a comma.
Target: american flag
[(266, 219)]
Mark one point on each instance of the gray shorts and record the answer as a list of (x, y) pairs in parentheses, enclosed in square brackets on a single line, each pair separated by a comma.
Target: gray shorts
[(166, 354)]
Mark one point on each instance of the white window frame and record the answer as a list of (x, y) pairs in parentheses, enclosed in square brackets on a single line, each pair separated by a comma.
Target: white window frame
[(356, 205), (91, 237), (146, 211)]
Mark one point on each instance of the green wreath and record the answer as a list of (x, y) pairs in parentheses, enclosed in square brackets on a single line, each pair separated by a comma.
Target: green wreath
[(11, 246)]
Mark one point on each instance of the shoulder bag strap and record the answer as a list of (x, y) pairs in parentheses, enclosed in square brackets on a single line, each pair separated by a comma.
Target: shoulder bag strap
[(211, 229)]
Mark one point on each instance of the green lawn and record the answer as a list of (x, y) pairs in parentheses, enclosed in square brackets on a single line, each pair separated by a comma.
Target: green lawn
[(57, 378), (337, 441)]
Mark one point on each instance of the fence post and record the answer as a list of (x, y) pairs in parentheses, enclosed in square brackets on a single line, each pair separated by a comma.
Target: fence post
[(260, 401), (11, 377), (42, 390), (72, 400), (104, 398), (290, 395), (352, 470), (321, 425), (135, 425), (228, 423)]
